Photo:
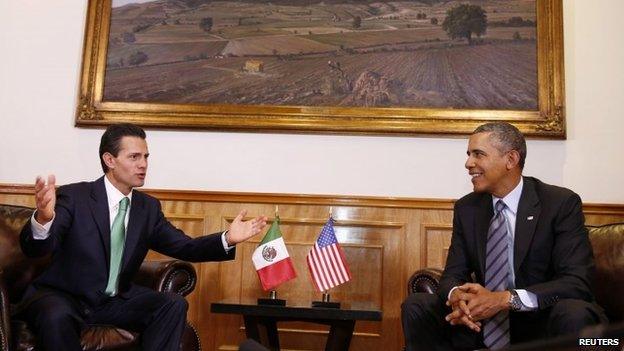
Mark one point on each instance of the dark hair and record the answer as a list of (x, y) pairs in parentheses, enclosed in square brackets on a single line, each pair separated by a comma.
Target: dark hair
[(507, 138), (111, 139)]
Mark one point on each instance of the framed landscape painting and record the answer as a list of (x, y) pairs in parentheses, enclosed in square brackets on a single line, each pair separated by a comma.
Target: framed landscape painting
[(426, 67)]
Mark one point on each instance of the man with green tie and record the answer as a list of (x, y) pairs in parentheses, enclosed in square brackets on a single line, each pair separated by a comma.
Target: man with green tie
[(98, 234)]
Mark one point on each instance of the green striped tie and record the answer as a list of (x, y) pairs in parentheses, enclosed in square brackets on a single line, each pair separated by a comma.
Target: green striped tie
[(118, 238)]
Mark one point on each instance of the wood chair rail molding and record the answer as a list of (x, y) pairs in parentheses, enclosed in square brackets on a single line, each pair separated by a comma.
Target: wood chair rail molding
[(307, 199), (385, 240)]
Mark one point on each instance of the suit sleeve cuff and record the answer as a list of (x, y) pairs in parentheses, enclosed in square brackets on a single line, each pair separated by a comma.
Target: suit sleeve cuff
[(226, 247), (40, 231), (529, 300), (448, 297)]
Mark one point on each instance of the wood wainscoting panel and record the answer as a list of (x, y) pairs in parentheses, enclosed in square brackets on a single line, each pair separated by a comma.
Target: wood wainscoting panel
[(436, 239), (385, 240)]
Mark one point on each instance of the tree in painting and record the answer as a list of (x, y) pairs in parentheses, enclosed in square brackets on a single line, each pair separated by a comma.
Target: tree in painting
[(357, 22), (465, 20), (206, 24)]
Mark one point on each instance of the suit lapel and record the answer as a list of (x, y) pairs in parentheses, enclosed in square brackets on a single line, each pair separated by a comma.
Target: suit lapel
[(526, 221), (483, 215), (135, 222), (99, 209)]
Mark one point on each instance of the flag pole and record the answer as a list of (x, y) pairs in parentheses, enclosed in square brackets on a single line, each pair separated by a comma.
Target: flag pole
[(273, 293), (325, 298)]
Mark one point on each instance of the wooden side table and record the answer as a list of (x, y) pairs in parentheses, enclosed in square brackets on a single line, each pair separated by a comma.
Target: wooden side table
[(261, 321)]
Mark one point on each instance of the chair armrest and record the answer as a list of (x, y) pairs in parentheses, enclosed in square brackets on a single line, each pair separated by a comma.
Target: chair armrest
[(5, 315), (168, 276), (424, 280)]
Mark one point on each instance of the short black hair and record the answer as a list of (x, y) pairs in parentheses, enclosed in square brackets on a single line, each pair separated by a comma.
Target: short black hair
[(507, 136), (111, 139)]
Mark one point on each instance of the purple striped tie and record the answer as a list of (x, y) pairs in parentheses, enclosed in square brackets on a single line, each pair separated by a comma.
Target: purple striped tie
[(496, 329)]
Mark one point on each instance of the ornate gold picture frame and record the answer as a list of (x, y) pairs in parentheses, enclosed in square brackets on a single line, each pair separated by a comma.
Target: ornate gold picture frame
[(98, 107)]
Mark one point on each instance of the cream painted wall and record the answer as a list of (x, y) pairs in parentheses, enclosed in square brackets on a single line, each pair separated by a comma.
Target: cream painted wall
[(41, 48)]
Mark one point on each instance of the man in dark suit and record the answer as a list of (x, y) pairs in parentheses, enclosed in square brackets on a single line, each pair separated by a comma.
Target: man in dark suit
[(98, 234), (526, 246)]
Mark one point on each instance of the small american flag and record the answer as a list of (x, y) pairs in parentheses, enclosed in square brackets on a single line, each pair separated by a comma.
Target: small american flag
[(326, 260)]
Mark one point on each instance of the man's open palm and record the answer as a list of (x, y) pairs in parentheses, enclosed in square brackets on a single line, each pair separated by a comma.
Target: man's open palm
[(242, 230)]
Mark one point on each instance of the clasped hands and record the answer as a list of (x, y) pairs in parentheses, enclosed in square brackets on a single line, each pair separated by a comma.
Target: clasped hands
[(472, 303)]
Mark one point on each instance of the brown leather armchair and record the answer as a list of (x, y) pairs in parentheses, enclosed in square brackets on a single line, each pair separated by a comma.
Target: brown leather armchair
[(608, 244), (17, 271)]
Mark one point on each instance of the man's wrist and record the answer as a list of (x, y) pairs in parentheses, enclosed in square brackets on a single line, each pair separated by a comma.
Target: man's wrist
[(450, 294), (40, 220), (227, 238), (514, 302), (507, 296)]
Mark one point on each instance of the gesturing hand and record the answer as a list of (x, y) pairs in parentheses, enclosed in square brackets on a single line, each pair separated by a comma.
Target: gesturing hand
[(242, 230), (45, 199)]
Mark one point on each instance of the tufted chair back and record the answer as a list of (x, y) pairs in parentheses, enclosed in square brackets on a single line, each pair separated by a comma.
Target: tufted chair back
[(608, 244), (17, 270)]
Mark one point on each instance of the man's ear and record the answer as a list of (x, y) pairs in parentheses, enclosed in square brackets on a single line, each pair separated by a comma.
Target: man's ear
[(109, 160), (513, 159)]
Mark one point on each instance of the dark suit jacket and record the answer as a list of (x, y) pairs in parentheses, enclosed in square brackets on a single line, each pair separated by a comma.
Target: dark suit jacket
[(552, 253), (80, 242)]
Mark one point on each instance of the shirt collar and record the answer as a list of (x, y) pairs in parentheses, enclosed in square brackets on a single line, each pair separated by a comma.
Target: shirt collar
[(512, 199), (114, 195)]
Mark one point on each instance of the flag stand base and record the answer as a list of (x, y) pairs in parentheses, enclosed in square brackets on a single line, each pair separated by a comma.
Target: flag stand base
[(272, 300), (325, 303)]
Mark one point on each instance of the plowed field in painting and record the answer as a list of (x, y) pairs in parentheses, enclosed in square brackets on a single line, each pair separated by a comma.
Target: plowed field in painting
[(312, 55), (498, 75)]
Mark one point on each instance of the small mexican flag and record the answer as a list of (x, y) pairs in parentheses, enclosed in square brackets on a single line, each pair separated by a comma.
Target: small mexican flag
[(271, 259)]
